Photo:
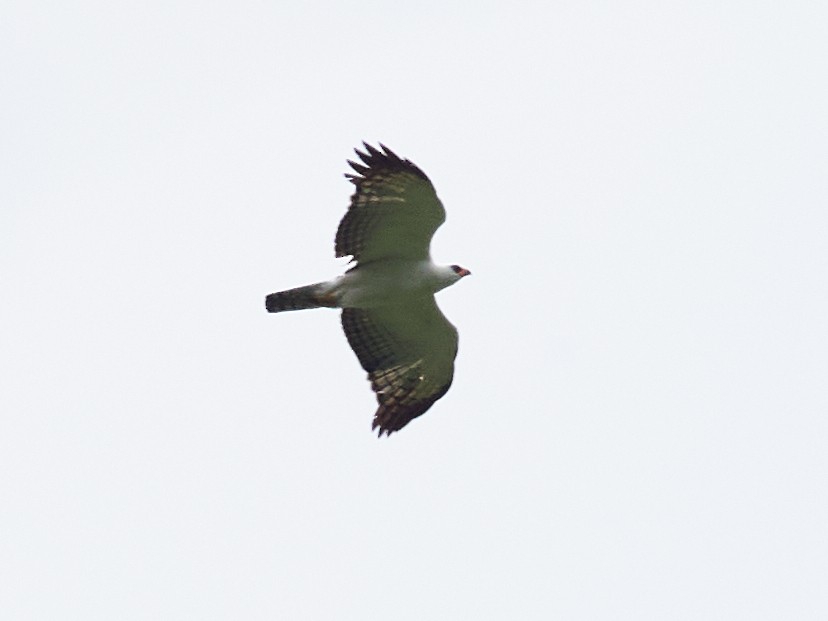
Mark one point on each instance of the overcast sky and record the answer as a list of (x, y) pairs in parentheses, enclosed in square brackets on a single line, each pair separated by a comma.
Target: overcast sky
[(638, 423)]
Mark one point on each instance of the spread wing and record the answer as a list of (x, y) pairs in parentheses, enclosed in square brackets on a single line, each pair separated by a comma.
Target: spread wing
[(408, 351), (394, 211)]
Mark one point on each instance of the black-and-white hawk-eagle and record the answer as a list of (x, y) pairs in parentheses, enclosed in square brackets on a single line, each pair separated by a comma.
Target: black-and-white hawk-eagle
[(389, 314)]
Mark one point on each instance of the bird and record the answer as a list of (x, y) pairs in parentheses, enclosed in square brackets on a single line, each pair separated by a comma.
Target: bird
[(389, 315)]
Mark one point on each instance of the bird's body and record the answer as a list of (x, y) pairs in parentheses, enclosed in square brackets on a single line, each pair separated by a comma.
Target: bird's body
[(380, 283), (389, 314)]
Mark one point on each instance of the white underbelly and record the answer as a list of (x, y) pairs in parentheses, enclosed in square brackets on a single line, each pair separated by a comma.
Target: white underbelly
[(369, 286)]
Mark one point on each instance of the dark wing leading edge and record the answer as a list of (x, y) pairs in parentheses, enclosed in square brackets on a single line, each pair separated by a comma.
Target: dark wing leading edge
[(408, 351), (394, 211)]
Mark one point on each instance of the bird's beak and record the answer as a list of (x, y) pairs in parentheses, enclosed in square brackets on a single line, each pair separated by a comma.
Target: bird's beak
[(464, 272)]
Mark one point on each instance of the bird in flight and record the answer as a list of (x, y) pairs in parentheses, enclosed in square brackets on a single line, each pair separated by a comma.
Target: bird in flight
[(389, 314)]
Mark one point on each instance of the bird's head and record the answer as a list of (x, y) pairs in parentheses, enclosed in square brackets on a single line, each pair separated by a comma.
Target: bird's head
[(446, 275), (460, 271)]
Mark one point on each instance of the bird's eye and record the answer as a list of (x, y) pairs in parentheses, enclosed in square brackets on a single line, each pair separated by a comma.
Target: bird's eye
[(457, 269)]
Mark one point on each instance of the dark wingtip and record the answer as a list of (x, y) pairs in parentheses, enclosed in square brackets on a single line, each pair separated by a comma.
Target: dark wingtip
[(358, 167), (382, 429), (373, 159), (391, 155), (363, 156)]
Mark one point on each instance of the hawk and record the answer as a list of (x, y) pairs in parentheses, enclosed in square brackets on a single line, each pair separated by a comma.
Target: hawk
[(389, 314)]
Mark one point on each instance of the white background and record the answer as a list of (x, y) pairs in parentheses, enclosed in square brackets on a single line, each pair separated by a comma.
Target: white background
[(637, 427)]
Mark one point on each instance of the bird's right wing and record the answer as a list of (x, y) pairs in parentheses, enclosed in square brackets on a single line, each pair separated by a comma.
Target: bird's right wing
[(408, 351), (394, 211)]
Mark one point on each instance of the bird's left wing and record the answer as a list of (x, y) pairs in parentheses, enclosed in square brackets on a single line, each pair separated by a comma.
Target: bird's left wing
[(394, 211), (408, 351)]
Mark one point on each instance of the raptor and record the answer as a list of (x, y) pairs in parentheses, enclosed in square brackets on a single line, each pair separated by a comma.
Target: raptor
[(389, 314)]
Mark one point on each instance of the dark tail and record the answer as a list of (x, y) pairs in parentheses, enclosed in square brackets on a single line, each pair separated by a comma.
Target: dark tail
[(297, 299)]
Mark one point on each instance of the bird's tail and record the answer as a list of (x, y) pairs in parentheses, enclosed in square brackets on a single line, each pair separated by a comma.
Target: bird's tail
[(309, 296)]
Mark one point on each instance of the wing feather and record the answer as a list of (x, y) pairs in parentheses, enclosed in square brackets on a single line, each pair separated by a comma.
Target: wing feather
[(408, 351), (394, 211)]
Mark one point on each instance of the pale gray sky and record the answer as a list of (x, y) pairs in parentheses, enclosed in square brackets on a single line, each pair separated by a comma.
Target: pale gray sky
[(637, 428)]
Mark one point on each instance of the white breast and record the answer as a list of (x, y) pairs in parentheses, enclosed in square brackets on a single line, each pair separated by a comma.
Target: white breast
[(386, 282)]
